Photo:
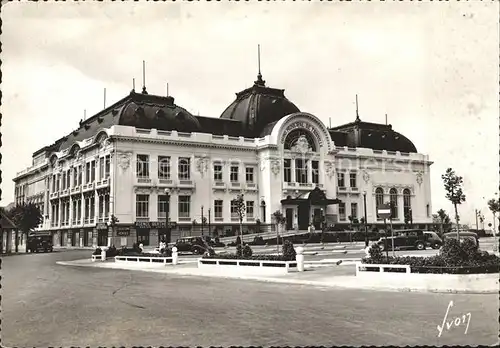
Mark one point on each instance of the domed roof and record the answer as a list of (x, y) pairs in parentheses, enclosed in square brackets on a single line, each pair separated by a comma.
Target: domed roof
[(258, 106), (160, 113)]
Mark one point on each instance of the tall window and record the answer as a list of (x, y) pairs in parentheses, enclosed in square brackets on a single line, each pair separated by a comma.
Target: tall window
[(287, 170), (354, 210), (352, 180), (249, 174), (301, 171), (92, 209), (234, 209), (164, 167), (101, 168), (184, 206), (218, 208), (80, 175), (79, 211), (406, 202), (68, 178), (87, 209), (342, 212), (315, 172), (217, 172), (63, 212), (107, 166), (101, 207), (63, 184), (87, 172), (163, 206), (142, 206), (233, 176), (92, 171), (106, 206), (184, 167), (58, 182), (340, 179), (379, 198), (75, 176), (142, 166), (250, 209), (393, 193)]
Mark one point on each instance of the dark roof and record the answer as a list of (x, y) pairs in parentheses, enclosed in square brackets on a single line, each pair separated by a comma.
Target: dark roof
[(370, 135), (5, 221), (221, 126), (258, 106)]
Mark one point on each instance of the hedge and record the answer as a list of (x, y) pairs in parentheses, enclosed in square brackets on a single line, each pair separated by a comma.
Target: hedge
[(246, 253)]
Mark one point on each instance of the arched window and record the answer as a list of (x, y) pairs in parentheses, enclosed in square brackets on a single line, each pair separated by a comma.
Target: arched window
[(300, 140), (407, 204), (263, 211), (379, 198), (393, 193)]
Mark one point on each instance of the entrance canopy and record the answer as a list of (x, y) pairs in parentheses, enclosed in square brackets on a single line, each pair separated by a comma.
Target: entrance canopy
[(313, 197)]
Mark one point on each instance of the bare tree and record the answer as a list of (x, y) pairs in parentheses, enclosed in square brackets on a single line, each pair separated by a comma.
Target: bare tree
[(279, 219), (239, 203), (453, 187)]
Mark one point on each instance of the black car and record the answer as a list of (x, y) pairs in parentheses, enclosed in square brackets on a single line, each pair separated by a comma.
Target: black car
[(402, 242), (37, 243), (195, 245), (433, 240)]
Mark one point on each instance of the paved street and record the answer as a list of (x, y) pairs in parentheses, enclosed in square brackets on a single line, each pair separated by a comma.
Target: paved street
[(47, 304)]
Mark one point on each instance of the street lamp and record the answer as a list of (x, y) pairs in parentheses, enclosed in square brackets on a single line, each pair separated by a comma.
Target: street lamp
[(366, 222), (202, 221), (167, 194)]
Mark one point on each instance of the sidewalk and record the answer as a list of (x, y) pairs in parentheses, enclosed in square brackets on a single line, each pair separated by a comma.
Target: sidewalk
[(334, 276)]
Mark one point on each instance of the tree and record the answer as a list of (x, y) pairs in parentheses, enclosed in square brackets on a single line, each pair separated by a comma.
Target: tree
[(453, 188), (443, 220), (26, 216), (239, 204), (494, 205), (279, 219), (481, 219)]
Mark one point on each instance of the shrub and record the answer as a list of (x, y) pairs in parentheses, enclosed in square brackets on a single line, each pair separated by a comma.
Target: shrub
[(97, 251), (247, 251), (167, 252), (452, 253), (239, 250), (376, 252), (238, 240), (289, 251), (253, 257), (111, 252)]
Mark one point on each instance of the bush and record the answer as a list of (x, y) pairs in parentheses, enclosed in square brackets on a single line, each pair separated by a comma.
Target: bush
[(375, 252), (247, 251), (239, 250), (97, 251), (253, 257), (238, 240), (289, 251), (111, 252)]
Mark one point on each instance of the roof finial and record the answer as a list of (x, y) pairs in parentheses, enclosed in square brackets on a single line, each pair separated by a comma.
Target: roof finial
[(104, 97), (133, 84), (84, 114), (386, 119), (167, 89), (144, 77), (259, 81), (357, 111)]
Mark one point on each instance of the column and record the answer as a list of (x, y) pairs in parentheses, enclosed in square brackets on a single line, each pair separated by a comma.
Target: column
[(309, 170), (82, 208), (153, 206), (71, 210), (59, 217), (96, 206), (292, 165)]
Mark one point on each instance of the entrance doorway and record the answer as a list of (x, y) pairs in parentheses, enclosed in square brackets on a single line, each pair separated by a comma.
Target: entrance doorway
[(303, 216), (289, 219), (317, 219), (164, 235)]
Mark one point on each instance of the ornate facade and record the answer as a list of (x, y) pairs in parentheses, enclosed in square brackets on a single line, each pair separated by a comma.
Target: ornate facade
[(165, 174)]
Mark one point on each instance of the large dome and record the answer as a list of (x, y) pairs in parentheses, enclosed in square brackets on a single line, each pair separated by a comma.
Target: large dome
[(259, 106)]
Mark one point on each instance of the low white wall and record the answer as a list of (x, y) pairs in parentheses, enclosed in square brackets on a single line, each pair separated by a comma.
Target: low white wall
[(249, 267), (142, 261)]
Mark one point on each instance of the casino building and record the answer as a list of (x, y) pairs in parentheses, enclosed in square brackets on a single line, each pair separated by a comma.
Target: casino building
[(165, 173)]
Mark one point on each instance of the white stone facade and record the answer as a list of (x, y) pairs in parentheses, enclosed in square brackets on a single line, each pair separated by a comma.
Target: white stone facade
[(126, 165)]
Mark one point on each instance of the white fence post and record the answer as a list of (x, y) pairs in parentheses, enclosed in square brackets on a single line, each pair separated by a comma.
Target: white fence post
[(103, 254), (299, 257), (175, 256)]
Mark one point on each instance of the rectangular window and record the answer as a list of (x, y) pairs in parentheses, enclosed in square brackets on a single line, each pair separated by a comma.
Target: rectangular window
[(58, 182), (218, 208), (92, 171), (354, 210), (341, 179), (234, 209), (287, 170), (234, 174), (101, 168), (315, 172), (142, 166), (163, 206), (249, 174), (75, 177), (352, 180), (101, 207), (106, 207), (184, 206), (87, 172), (92, 209), (63, 183), (80, 175), (184, 168), (68, 178), (301, 171), (142, 206), (107, 166), (87, 209), (79, 210), (250, 208), (217, 172), (342, 216), (164, 167)]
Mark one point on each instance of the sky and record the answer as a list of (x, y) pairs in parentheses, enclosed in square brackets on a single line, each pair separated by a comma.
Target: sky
[(433, 68)]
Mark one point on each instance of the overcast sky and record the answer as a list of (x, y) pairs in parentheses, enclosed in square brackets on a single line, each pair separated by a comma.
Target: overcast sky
[(432, 67)]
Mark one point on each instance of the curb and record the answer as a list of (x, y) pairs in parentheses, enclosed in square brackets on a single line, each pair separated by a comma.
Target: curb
[(357, 285)]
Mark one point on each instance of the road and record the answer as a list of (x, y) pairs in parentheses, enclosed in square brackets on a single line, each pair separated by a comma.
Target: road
[(45, 304)]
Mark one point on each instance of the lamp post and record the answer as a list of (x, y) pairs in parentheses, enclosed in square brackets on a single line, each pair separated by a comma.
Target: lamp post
[(209, 221), (202, 220), (366, 222), (112, 223), (167, 194)]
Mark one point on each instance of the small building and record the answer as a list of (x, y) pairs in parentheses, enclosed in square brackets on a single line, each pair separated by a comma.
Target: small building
[(8, 233)]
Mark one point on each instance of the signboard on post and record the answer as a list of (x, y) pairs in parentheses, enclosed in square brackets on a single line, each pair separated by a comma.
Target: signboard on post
[(122, 231), (384, 211)]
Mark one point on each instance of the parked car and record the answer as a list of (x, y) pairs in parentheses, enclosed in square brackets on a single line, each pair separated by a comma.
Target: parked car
[(403, 242), (195, 245), (36, 243), (433, 240), (462, 235)]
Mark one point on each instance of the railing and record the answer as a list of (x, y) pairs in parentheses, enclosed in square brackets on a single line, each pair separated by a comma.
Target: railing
[(184, 218), (144, 259), (235, 184), (364, 268), (186, 182), (217, 218), (342, 188), (164, 181), (246, 264), (143, 180), (184, 134)]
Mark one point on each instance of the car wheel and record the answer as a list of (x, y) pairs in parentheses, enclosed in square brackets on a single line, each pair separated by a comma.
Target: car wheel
[(435, 246), (196, 251), (420, 246)]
